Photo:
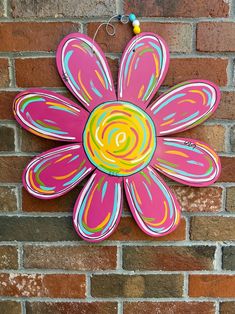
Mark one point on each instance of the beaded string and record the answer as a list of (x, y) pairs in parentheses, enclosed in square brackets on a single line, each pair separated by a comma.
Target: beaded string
[(135, 23), (124, 19)]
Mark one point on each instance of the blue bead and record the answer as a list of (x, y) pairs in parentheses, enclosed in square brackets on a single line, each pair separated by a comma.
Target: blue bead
[(132, 17)]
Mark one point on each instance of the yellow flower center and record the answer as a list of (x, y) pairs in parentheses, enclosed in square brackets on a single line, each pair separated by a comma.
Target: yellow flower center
[(119, 138)]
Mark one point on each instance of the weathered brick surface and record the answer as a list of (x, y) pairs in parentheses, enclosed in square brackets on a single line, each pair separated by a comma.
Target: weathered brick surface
[(213, 135), (214, 37), (34, 143), (71, 307), (226, 108), (7, 136), (6, 101), (37, 72), (71, 258), (10, 307), (11, 168), (4, 73), (128, 230), (177, 35), (29, 36), (183, 69), (230, 199), (229, 258), (168, 307), (215, 286), (181, 8), (213, 228), (62, 8), (232, 140), (37, 229), (168, 258), (42, 72), (42, 285), (8, 200), (2, 9), (228, 169), (193, 199), (136, 286), (8, 257), (227, 307), (65, 204)]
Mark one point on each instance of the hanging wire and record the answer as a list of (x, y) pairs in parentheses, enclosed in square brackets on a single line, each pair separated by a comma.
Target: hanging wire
[(109, 27)]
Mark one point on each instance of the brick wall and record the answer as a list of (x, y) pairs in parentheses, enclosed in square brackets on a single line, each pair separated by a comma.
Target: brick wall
[(44, 266)]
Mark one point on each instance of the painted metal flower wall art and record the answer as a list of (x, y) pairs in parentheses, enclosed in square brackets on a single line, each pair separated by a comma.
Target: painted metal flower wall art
[(121, 140)]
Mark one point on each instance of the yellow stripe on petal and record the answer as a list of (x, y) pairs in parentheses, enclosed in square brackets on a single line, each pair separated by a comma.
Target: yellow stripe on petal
[(200, 93), (164, 218), (176, 152), (66, 176), (64, 157)]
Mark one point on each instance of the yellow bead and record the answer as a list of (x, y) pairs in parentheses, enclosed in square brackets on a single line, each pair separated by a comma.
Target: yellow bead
[(136, 30)]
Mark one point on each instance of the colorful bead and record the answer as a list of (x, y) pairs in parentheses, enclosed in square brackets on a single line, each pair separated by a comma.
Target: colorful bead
[(136, 23), (136, 30), (132, 17)]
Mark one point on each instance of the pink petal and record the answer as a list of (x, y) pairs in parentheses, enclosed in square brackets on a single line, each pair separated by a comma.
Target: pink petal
[(84, 70), (187, 161), (98, 208), (185, 106), (152, 203), (50, 115), (57, 171), (144, 65)]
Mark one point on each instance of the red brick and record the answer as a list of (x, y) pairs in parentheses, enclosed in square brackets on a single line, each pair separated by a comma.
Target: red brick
[(136, 286), (168, 258), (28, 36), (41, 285), (227, 307), (230, 199), (34, 143), (8, 199), (71, 307), (37, 72), (213, 135), (183, 69), (216, 37), (128, 230), (10, 307), (70, 258), (64, 204), (63, 8), (228, 169), (37, 229), (42, 72), (180, 8), (213, 228), (169, 307), (7, 136), (194, 199), (8, 257), (6, 102), (11, 168), (213, 286), (226, 108), (177, 35), (4, 73)]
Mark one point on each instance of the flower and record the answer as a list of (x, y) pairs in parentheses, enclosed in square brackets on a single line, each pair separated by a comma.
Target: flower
[(119, 139)]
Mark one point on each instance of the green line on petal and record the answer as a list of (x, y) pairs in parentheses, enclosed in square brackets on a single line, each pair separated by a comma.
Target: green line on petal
[(145, 176), (99, 183), (91, 229), (167, 162)]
